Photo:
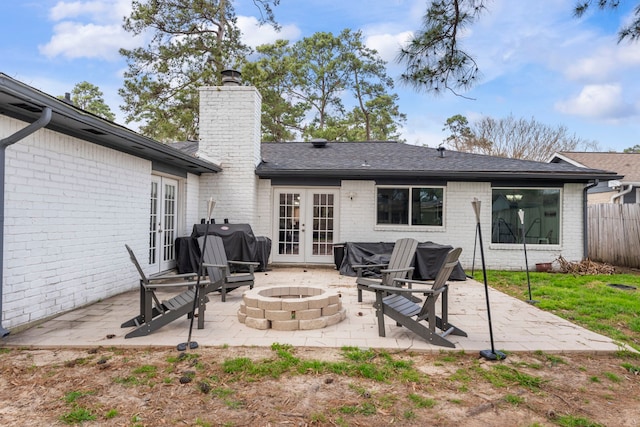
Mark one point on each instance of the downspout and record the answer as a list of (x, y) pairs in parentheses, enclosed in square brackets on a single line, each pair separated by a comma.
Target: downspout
[(627, 190), (4, 143), (585, 223)]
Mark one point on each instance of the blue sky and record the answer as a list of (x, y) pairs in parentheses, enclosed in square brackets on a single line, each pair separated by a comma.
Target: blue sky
[(536, 59)]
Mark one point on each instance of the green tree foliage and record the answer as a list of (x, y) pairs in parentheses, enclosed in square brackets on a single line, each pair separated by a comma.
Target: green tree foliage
[(629, 32), (325, 86), (90, 98), (462, 137), (189, 43), (511, 137), (282, 115), (434, 60), (634, 149)]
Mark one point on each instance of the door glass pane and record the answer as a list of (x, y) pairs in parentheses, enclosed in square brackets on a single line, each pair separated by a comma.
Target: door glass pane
[(153, 224), (322, 224), (289, 223), (169, 222)]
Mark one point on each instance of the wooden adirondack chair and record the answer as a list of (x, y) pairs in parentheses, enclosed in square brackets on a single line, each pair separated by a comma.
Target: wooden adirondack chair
[(395, 302), (153, 313), (219, 267), (399, 267)]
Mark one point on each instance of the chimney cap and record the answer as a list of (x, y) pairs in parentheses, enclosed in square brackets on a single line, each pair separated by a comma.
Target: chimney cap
[(231, 77)]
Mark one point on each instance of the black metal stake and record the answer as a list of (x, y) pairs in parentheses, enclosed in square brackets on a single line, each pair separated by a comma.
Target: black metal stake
[(526, 260), (487, 354), (473, 261), (193, 344)]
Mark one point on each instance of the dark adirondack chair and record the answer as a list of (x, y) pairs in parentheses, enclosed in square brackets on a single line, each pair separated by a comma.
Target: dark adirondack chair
[(399, 267), (219, 267), (396, 302), (154, 313)]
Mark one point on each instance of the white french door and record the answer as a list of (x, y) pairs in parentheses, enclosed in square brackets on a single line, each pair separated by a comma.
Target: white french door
[(163, 219), (306, 225)]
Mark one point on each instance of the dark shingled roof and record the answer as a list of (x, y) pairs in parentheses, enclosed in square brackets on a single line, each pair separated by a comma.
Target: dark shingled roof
[(371, 160), (27, 104)]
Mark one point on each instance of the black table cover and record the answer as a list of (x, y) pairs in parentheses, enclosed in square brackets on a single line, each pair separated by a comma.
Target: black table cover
[(428, 259)]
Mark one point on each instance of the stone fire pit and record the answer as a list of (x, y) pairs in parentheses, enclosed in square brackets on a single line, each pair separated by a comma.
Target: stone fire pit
[(290, 308)]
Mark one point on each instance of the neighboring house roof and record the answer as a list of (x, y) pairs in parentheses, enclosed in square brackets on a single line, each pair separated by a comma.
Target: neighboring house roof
[(626, 164), (26, 103), (371, 160)]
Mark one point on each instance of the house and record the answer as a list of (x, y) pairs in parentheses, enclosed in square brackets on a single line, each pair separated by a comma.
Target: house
[(624, 190), (77, 188)]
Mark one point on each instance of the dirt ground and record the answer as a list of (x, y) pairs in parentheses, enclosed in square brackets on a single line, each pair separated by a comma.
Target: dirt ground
[(308, 386)]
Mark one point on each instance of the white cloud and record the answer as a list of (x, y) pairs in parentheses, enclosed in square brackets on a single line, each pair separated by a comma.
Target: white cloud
[(602, 63), (97, 10), (255, 34), (597, 101), (75, 40), (388, 45), (90, 29)]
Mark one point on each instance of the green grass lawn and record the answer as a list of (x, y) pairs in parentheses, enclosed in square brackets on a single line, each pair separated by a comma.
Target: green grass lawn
[(587, 300)]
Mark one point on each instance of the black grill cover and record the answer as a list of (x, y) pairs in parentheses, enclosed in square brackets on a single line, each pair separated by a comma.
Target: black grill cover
[(240, 244)]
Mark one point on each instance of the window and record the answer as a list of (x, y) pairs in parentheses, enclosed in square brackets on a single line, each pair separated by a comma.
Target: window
[(410, 206), (541, 210)]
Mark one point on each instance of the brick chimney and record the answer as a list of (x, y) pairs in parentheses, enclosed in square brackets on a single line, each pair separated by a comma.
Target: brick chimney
[(230, 137)]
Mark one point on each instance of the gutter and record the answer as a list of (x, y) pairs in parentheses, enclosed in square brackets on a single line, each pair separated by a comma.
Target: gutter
[(627, 190), (44, 119), (585, 214), (454, 175)]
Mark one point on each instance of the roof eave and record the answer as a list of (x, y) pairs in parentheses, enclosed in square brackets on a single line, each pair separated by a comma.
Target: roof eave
[(96, 130), (450, 175)]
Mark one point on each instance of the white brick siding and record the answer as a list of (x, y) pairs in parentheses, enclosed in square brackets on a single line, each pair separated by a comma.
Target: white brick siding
[(230, 135), (358, 224), (70, 207), (191, 204)]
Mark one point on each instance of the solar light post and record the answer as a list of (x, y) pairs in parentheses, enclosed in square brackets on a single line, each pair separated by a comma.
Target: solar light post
[(526, 261), (487, 354), (193, 344)]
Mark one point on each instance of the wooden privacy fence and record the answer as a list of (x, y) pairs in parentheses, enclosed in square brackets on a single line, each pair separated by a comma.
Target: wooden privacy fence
[(614, 234)]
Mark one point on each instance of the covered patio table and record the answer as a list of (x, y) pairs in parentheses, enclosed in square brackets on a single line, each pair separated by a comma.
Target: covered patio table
[(429, 256)]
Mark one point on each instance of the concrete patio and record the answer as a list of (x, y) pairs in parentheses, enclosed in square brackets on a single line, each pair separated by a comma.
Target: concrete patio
[(517, 326)]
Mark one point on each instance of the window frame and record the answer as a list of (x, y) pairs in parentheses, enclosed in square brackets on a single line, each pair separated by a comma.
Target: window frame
[(409, 225), (518, 242)]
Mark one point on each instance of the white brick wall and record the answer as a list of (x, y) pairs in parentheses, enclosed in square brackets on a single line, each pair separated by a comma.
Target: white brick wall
[(70, 206), (358, 217), (230, 135), (191, 204), (358, 224)]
